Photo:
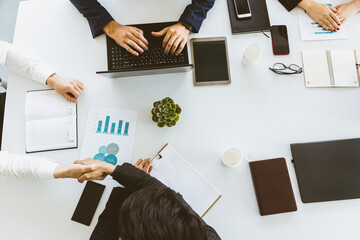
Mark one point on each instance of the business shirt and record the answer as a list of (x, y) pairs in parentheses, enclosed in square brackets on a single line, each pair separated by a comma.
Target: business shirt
[(23, 63), (290, 4), (132, 179), (22, 166), (98, 16)]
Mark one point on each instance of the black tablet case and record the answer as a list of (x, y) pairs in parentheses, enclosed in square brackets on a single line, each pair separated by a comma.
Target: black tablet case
[(259, 21), (327, 171)]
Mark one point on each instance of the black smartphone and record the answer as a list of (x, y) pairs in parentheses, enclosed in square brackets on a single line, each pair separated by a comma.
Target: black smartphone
[(280, 41), (88, 203)]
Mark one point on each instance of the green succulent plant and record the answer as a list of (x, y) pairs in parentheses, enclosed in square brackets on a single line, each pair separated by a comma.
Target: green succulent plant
[(166, 112)]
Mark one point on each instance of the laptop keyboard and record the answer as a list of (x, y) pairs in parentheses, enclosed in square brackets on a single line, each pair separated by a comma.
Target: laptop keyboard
[(154, 56)]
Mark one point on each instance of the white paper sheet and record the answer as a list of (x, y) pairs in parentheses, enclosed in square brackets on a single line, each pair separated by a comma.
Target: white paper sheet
[(175, 172), (109, 135), (310, 30)]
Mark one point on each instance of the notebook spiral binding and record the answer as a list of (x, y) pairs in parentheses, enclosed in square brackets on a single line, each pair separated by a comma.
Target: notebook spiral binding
[(330, 66)]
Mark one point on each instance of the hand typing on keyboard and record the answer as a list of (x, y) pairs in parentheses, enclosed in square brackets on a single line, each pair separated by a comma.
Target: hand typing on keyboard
[(175, 38), (130, 38)]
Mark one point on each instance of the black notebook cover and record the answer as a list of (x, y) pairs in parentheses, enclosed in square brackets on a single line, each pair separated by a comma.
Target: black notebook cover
[(259, 21), (327, 171)]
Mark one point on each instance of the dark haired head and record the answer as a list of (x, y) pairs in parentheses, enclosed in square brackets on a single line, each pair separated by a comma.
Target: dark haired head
[(158, 213)]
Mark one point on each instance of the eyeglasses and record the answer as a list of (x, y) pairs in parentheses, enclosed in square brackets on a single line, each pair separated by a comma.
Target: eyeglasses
[(280, 68)]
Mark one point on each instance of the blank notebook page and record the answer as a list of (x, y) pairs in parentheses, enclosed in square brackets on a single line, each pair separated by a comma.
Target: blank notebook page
[(316, 69), (334, 68), (175, 172), (345, 73)]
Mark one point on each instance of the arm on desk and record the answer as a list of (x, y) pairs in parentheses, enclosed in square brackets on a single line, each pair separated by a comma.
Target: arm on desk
[(23, 63), (347, 10), (95, 13), (101, 21), (195, 13), (325, 15), (18, 60)]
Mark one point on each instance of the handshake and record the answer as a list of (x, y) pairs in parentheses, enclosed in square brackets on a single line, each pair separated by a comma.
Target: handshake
[(90, 169)]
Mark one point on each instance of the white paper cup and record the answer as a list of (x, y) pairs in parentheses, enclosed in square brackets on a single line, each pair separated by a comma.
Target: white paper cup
[(252, 53), (232, 157)]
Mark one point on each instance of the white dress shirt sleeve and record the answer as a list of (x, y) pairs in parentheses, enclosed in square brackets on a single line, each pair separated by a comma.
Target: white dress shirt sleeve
[(23, 166), (23, 63)]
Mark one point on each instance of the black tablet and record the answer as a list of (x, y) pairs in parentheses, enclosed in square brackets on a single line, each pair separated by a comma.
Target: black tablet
[(210, 57)]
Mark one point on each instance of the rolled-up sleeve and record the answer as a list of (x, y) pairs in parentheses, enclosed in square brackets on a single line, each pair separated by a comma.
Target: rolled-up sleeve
[(95, 13), (195, 13)]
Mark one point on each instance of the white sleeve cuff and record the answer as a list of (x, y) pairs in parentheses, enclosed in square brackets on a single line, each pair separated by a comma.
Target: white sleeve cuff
[(47, 169), (42, 73)]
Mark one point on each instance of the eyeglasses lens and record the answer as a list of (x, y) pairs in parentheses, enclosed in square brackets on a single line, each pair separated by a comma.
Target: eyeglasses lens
[(279, 66), (294, 67)]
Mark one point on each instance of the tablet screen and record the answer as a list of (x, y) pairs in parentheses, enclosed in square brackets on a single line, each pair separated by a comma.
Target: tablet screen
[(210, 61)]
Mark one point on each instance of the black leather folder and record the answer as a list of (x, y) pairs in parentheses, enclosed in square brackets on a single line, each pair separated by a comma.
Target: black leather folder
[(259, 21), (327, 171)]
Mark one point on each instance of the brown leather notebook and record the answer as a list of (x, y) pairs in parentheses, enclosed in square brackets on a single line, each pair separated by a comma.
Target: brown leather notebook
[(272, 186)]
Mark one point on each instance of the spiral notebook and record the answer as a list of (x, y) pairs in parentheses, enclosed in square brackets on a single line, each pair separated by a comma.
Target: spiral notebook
[(330, 68)]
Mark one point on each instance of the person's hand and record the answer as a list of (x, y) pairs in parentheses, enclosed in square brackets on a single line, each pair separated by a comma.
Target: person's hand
[(325, 15), (99, 174), (144, 165), (74, 170), (175, 38), (66, 87), (347, 10), (130, 38)]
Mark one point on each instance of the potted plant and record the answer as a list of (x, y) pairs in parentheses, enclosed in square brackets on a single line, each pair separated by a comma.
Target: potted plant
[(165, 112)]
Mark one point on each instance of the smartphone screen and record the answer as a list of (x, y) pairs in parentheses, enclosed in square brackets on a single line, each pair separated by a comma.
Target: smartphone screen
[(280, 40), (88, 203), (242, 8)]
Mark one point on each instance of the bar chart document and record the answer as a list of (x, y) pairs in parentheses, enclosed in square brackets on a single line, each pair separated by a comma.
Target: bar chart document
[(109, 135), (51, 121), (311, 30)]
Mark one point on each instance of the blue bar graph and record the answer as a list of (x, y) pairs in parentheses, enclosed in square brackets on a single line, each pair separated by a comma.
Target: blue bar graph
[(119, 130), (112, 128), (106, 124), (99, 127), (119, 127), (126, 129)]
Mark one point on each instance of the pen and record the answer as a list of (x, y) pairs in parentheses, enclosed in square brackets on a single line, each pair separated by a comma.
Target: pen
[(159, 152)]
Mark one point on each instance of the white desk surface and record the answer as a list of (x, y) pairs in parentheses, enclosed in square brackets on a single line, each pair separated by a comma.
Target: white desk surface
[(260, 112)]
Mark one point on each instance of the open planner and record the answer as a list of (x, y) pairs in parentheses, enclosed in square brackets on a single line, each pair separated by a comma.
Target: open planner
[(330, 68), (175, 172), (51, 122)]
